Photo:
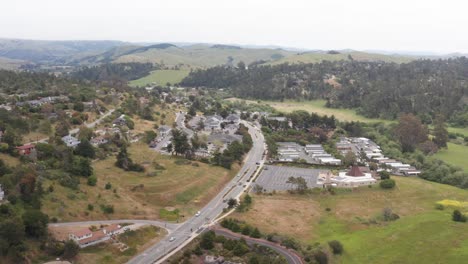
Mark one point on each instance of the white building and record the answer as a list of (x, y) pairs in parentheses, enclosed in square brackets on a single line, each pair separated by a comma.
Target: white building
[(353, 178), (70, 141)]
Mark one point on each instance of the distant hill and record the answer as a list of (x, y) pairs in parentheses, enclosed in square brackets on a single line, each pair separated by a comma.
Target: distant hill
[(200, 55), (44, 51), (319, 56)]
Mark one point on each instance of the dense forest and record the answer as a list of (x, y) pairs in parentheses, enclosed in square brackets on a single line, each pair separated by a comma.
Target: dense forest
[(110, 71), (376, 89)]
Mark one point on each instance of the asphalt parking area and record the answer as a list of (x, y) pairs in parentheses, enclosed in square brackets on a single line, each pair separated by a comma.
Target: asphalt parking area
[(274, 178)]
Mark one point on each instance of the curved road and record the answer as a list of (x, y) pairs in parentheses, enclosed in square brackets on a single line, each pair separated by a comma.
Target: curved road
[(183, 234), (291, 256)]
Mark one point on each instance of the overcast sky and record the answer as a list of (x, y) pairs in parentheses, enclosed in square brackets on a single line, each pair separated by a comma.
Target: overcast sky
[(405, 25)]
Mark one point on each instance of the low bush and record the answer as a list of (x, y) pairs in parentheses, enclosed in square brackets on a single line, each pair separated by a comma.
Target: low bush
[(387, 184), (336, 246)]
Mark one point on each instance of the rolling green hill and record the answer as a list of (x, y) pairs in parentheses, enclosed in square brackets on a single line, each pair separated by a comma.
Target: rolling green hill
[(200, 56), (315, 57)]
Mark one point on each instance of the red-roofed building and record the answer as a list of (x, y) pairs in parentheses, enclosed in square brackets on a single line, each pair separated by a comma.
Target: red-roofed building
[(81, 234), (355, 171), (26, 149), (111, 229)]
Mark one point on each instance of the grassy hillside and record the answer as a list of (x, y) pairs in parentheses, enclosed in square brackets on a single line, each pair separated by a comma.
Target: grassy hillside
[(421, 235), (161, 77), (202, 55), (315, 57), (10, 64), (178, 184), (455, 154)]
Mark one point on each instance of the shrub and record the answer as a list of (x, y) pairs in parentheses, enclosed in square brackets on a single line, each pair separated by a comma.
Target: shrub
[(108, 186), (92, 180), (90, 207), (107, 209), (384, 175), (336, 246), (321, 257), (388, 215), (387, 184), (439, 206), (457, 216)]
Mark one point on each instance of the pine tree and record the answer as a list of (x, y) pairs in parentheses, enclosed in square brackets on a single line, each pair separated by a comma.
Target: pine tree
[(440, 132)]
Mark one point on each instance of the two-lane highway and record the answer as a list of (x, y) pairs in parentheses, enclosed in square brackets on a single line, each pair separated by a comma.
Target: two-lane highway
[(188, 230)]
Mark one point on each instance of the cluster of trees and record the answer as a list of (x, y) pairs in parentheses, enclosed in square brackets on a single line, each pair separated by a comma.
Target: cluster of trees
[(235, 151), (21, 219), (112, 71), (377, 89), (241, 227), (125, 162)]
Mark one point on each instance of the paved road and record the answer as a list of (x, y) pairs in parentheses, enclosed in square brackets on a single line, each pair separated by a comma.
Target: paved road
[(291, 256), (76, 130), (168, 226), (212, 210), (180, 118)]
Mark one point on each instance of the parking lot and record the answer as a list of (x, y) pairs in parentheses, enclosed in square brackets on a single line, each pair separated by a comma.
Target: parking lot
[(274, 178)]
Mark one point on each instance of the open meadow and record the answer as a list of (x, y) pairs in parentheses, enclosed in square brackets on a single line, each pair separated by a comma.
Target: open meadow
[(455, 154), (170, 188), (421, 235)]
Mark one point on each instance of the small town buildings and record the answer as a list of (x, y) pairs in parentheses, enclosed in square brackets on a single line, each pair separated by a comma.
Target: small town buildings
[(120, 121), (354, 177), (70, 141), (233, 119), (164, 130), (99, 140), (213, 122), (26, 149)]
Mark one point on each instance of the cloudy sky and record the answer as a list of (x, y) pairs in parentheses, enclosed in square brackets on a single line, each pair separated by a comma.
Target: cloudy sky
[(395, 25)]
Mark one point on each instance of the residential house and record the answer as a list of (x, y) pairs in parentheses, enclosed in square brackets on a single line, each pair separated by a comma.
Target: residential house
[(120, 121), (213, 122), (99, 140), (112, 229), (164, 130), (86, 237), (70, 141), (80, 234), (26, 150), (233, 119)]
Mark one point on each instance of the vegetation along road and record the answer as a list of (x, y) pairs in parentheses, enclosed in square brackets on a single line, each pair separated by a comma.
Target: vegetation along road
[(291, 256)]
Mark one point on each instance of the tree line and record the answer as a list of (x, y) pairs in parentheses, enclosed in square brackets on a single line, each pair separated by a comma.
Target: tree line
[(376, 89)]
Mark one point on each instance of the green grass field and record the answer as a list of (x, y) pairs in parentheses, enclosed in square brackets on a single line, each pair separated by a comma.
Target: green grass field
[(455, 154), (421, 235), (317, 106), (459, 130), (161, 77)]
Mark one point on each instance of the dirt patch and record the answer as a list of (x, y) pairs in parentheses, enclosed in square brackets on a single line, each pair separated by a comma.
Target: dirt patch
[(283, 214)]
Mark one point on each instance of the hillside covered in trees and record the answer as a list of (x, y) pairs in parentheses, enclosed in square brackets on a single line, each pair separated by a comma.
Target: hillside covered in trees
[(377, 89)]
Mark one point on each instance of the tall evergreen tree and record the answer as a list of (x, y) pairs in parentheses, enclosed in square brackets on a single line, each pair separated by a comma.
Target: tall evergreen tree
[(440, 132)]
